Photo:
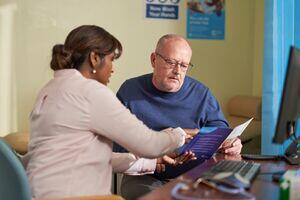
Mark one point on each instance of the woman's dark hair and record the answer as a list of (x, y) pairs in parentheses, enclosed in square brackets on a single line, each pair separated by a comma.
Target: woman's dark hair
[(78, 45)]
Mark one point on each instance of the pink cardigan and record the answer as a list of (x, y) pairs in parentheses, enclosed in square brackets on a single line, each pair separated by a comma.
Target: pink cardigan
[(73, 124)]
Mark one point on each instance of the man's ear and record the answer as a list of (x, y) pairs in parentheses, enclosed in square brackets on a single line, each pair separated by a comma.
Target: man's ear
[(94, 59), (153, 59)]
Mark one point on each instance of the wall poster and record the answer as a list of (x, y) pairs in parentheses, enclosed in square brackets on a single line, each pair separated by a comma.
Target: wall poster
[(206, 19)]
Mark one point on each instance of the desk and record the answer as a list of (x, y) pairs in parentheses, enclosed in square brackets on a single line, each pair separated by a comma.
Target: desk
[(262, 187)]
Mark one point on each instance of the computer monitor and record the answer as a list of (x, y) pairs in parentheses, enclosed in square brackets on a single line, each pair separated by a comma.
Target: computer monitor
[(290, 102)]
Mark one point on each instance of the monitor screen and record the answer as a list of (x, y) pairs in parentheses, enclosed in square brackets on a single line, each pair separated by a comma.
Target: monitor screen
[(289, 110)]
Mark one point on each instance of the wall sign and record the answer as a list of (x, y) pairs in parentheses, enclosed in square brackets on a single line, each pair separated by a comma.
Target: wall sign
[(206, 19), (162, 9)]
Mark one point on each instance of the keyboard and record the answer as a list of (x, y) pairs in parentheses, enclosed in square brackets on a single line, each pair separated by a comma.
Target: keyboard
[(247, 170)]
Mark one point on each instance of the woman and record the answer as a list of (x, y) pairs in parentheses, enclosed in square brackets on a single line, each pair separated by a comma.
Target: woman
[(76, 118)]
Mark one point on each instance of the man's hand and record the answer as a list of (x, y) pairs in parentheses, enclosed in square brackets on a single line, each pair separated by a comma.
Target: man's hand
[(231, 146), (173, 159), (190, 133)]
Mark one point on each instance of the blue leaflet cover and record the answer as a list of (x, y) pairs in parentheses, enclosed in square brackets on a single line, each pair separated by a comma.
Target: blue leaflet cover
[(192, 144), (204, 145)]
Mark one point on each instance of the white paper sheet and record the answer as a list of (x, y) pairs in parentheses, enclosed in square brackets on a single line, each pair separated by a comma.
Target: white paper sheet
[(238, 130)]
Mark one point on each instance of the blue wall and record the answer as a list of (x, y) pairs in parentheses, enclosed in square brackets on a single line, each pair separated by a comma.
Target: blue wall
[(280, 32)]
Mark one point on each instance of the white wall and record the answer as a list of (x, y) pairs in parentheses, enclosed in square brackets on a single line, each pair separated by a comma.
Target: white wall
[(8, 98), (228, 67)]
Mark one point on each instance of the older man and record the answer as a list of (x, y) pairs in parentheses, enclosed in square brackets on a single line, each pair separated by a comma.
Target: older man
[(169, 98)]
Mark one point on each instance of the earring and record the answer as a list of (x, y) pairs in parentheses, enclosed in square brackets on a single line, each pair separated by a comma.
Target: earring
[(93, 71)]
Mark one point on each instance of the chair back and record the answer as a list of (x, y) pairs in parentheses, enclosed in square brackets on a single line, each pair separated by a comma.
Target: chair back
[(14, 184)]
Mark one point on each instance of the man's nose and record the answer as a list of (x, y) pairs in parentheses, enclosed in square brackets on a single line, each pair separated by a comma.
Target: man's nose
[(176, 68)]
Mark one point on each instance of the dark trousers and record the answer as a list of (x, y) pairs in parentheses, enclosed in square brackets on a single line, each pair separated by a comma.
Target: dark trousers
[(133, 187)]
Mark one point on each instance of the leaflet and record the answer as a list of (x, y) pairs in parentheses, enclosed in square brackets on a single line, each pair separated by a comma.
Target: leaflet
[(238, 130), (209, 139), (204, 145)]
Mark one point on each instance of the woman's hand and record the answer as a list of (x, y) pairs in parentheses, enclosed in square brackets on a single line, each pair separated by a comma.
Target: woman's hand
[(174, 160), (190, 133)]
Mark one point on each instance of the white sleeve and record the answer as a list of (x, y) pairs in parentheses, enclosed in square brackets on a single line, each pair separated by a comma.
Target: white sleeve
[(111, 119), (130, 164)]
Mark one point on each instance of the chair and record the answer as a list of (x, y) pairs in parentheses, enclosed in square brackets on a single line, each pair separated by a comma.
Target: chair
[(14, 184), (102, 197), (241, 108), (18, 141)]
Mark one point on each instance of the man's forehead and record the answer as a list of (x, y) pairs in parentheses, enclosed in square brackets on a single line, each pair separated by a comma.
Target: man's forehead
[(175, 43), (176, 47)]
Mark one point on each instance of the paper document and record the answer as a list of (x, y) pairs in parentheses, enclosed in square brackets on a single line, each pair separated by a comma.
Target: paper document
[(238, 130), (209, 139), (204, 145)]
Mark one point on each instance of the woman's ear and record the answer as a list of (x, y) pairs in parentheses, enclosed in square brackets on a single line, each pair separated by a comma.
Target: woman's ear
[(94, 59)]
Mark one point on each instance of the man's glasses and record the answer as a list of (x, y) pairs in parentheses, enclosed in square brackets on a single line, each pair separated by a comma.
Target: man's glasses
[(171, 63)]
